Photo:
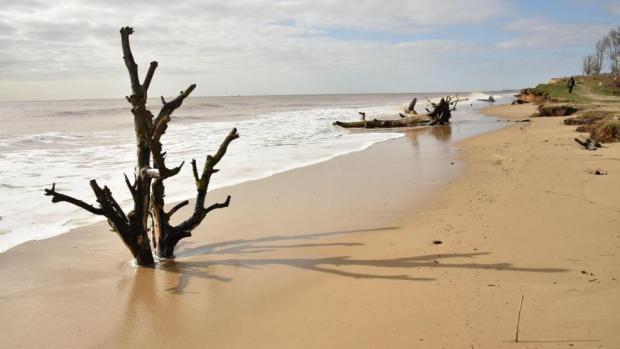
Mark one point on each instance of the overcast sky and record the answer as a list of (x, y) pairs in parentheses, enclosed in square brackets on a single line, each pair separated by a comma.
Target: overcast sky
[(70, 49)]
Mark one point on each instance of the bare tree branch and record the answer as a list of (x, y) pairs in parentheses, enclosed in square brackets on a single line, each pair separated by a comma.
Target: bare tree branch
[(195, 170), (156, 150), (132, 187), (149, 76), (218, 205), (132, 67), (111, 209), (177, 207), (202, 185), (58, 197), (169, 107)]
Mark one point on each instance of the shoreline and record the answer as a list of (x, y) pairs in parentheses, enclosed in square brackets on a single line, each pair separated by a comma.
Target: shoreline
[(220, 188), (329, 263), (86, 220)]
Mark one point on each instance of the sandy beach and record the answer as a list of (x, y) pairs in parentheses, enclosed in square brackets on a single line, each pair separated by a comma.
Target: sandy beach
[(346, 254)]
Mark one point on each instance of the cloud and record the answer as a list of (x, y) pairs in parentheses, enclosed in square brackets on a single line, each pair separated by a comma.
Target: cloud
[(72, 37), (237, 46), (614, 8), (549, 33), (263, 47)]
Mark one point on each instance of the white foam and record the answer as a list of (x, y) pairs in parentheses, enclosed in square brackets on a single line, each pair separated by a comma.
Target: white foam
[(270, 143)]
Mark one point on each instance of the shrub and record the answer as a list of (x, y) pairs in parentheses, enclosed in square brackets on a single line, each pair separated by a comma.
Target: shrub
[(556, 110), (606, 131), (588, 118)]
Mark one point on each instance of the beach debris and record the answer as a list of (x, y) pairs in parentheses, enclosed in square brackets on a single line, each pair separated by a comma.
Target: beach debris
[(597, 172), (490, 99), (607, 131), (147, 187), (530, 95), (588, 118), (438, 114), (437, 242), (442, 111), (589, 143), (524, 120), (519, 320), (556, 110), (408, 121), (518, 101), (411, 108)]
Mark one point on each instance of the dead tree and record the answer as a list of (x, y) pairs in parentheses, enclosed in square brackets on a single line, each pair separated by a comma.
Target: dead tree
[(406, 121), (411, 107), (439, 115), (589, 144), (147, 188), (442, 111)]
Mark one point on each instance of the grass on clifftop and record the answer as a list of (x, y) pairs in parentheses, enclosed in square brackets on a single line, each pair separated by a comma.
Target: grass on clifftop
[(596, 98), (606, 132), (601, 85), (558, 91), (585, 91)]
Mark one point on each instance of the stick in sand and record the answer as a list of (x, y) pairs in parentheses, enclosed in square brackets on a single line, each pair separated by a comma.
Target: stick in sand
[(519, 320)]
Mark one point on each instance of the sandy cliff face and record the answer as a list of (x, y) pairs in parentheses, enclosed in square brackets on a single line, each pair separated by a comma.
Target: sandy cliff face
[(530, 95)]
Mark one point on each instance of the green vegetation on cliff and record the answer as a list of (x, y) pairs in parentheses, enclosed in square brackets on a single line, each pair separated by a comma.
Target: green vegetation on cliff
[(588, 89)]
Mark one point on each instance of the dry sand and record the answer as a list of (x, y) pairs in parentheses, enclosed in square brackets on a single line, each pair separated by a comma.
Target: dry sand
[(341, 255)]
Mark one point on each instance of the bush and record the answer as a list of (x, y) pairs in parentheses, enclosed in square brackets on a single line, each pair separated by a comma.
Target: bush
[(588, 118), (556, 110), (606, 132), (584, 128)]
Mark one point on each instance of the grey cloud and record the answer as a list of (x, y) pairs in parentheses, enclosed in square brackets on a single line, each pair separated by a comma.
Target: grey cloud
[(239, 46), (546, 33)]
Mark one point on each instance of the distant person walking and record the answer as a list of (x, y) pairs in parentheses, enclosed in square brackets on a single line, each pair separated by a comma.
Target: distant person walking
[(571, 85)]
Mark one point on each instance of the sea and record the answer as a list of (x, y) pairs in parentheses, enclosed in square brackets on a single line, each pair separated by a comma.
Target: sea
[(71, 142)]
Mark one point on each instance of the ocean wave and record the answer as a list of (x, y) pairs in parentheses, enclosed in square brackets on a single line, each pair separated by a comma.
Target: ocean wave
[(270, 143)]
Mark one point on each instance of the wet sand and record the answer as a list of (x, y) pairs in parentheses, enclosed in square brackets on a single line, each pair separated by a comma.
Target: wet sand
[(341, 254)]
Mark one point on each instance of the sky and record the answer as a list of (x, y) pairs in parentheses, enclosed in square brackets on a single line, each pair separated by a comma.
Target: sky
[(71, 49)]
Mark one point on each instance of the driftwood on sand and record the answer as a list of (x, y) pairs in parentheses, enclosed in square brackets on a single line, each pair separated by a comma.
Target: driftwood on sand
[(438, 114), (147, 187), (407, 121), (411, 108), (589, 144)]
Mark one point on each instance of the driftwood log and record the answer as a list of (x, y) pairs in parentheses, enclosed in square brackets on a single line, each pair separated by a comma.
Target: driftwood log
[(439, 114), (411, 107), (407, 121), (589, 144), (442, 111), (147, 188)]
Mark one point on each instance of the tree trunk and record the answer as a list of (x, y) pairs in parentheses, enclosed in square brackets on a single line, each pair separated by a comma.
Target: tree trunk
[(441, 114), (375, 123), (411, 107), (147, 189)]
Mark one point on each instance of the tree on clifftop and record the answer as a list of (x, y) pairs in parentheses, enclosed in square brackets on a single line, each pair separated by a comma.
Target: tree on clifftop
[(147, 188)]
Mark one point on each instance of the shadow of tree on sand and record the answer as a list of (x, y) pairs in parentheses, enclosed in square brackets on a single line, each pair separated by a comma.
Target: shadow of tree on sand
[(249, 245), (332, 265)]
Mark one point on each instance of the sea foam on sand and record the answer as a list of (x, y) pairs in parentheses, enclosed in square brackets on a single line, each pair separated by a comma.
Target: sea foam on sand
[(270, 142)]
